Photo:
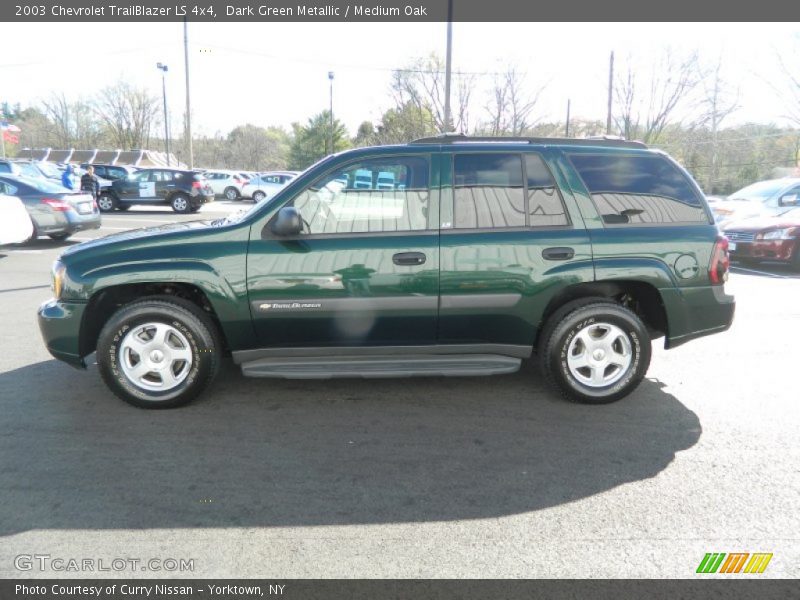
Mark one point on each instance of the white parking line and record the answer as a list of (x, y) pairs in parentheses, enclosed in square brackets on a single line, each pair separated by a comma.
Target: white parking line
[(10, 251), (768, 274), (117, 228), (126, 220)]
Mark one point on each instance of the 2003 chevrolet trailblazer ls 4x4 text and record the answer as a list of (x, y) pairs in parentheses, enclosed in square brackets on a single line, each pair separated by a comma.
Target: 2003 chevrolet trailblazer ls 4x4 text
[(445, 256)]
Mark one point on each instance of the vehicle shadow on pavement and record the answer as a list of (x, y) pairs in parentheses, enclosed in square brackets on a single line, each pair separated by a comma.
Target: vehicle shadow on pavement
[(266, 453)]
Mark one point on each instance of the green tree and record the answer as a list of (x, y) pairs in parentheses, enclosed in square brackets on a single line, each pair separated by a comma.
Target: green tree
[(310, 142), (257, 148)]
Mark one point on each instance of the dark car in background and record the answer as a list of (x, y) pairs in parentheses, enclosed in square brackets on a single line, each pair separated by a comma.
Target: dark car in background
[(55, 211), (185, 191), (111, 172), (775, 238)]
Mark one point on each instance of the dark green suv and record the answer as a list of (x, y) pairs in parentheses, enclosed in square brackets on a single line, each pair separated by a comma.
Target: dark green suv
[(445, 256)]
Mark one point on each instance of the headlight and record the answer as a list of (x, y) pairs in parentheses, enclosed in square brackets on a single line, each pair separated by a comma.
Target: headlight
[(58, 278), (779, 234)]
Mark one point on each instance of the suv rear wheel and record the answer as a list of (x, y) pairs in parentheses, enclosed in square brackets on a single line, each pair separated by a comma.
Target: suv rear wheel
[(180, 203), (107, 202), (595, 354), (158, 353)]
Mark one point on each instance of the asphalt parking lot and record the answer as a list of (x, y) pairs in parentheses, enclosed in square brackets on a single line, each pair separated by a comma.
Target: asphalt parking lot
[(458, 478)]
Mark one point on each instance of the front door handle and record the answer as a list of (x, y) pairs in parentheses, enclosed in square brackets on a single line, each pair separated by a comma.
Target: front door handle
[(409, 258), (558, 253)]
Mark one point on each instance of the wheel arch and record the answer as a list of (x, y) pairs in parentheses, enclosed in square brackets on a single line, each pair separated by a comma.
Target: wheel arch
[(641, 297)]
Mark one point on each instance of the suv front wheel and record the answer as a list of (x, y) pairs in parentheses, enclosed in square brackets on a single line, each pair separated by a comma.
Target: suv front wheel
[(158, 353), (595, 354)]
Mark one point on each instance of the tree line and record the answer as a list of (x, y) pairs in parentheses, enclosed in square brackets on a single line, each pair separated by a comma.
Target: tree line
[(675, 102)]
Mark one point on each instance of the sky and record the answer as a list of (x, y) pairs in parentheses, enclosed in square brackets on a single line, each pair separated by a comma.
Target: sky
[(276, 74)]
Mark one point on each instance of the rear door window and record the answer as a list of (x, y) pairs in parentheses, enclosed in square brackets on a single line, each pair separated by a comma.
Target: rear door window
[(499, 191), (641, 189)]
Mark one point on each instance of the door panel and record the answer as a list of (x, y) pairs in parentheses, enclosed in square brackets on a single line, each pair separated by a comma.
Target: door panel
[(508, 245), (365, 271)]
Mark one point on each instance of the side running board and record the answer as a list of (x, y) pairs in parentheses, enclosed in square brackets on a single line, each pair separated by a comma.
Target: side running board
[(382, 366)]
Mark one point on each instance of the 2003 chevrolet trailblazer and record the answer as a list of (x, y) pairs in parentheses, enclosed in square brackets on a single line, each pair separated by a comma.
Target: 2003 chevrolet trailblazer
[(445, 256)]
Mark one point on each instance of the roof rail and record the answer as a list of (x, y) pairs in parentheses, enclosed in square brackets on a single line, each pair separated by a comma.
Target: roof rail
[(603, 140)]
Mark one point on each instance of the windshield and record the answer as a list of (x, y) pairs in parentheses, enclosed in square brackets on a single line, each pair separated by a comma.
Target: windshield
[(758, 191), (49, 170), (244, 213)]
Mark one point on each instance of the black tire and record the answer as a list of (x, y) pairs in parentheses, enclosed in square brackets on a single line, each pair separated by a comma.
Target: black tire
[(179, 315), (59, 237), (107, 202), (563, 328), (258, 196), (231, 193), (123, 207), (180, 203)]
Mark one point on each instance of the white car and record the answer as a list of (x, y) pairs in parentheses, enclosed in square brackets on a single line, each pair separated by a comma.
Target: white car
[(761, 199), (266, 185), (228, 184), (15, 223)]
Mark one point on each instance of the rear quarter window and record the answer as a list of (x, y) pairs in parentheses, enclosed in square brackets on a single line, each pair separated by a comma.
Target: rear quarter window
[(639, 189)]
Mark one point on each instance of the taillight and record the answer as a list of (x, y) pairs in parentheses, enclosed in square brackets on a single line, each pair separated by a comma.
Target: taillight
[(196, 185), (720, 262), (55, 204)]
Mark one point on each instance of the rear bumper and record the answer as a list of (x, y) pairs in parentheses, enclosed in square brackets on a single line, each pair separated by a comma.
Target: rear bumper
[(696, 312), (60, 324)]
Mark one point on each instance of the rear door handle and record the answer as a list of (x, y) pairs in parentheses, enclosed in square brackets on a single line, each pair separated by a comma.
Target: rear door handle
[(558, 253), (409, 258)]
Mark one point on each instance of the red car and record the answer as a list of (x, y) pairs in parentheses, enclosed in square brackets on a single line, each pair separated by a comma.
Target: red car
[(775, 238)]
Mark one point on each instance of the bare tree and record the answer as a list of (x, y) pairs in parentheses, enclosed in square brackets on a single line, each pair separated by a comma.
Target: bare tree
[(789, 88), (718, 104), (129, 114), (646, 105), (57, 109), (510, 105), (422, 86)]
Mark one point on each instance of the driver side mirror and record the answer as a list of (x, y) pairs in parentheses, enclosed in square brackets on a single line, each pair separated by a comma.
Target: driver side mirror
[(788, 200), (287, 222)]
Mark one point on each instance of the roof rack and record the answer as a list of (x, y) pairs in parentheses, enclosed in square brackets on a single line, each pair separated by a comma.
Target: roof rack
[(600, 140)]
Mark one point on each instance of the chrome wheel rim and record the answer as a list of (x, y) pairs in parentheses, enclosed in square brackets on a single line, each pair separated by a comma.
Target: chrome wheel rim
[(155, 357), (179, 204), (105, 203), (599, 355), (231, 194), (258, 196)]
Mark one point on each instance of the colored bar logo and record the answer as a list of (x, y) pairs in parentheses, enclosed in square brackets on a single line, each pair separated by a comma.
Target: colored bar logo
[(736, 562)]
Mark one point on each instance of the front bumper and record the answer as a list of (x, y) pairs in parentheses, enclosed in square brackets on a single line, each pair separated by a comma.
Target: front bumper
[(780, 250), (60, 324), (696, 312)]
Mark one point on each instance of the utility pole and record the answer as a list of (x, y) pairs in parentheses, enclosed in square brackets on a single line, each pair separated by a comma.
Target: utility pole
[(330, 131), (567, 128), (448, 124), (163, 68), (188, 98), (610, 92)]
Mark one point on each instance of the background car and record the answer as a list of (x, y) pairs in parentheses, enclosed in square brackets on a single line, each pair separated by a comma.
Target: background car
[(55, 211), (266, 185), (773, 238), (185, 191), (10, 167), (762, 198), (15, 223), (111, 172), (39, 168), (227, 184)]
